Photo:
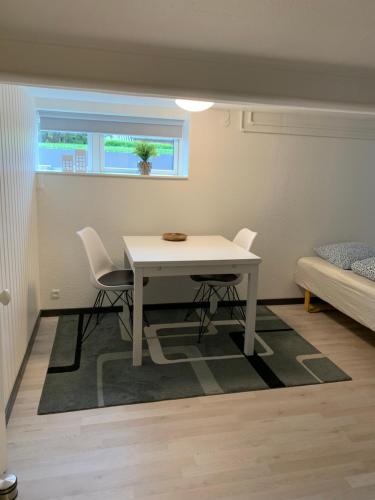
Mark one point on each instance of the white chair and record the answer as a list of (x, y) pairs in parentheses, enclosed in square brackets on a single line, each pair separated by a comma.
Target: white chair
[(106, 277), (223, 286)]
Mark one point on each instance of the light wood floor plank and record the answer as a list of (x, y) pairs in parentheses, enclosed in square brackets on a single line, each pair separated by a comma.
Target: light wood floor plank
[(302, 443)]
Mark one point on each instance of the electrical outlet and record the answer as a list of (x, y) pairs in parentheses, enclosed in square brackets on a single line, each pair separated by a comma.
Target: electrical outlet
[(55, 293)]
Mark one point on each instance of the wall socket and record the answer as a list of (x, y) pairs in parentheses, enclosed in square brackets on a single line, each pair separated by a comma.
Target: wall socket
[(55, 293)]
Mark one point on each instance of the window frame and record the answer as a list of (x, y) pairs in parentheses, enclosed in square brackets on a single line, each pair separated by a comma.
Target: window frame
[(96, 158), (96, 150)]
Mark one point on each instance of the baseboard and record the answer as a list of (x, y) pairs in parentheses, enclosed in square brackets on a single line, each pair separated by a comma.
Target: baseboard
[(173, 305), (226, 303), (21, 371), (46, 313), (280, 302)]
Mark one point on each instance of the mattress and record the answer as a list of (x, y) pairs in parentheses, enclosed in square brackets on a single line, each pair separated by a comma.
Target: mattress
[(351, 294)]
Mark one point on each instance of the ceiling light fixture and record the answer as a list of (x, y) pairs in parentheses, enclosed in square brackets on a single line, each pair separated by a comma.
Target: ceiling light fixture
[(188, 105)]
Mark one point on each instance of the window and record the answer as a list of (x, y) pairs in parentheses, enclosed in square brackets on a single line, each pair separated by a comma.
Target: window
[(78, 143)]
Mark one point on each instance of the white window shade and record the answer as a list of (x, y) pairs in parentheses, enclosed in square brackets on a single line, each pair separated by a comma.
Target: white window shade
[(105, 124)]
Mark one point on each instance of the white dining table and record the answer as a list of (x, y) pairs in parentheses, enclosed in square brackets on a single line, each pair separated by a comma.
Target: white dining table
[(151, 256)]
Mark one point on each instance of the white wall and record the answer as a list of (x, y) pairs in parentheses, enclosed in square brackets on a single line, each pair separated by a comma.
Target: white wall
[(18, 229), (295, 191)]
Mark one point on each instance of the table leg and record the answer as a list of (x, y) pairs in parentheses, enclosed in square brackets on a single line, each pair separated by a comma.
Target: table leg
[(137, 318), (251, 307), (125, 322)]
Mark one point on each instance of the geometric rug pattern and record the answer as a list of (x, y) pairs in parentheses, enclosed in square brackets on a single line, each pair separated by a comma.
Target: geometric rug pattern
[(175, 365)]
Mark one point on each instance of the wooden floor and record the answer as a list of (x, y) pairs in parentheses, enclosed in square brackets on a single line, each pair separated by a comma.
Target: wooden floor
[(310, 443)]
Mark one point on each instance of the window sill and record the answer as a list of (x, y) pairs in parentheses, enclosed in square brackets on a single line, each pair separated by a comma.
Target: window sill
[(108, 174)]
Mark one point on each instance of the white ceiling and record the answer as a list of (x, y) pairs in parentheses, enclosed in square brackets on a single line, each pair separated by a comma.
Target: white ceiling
[(338, 32)]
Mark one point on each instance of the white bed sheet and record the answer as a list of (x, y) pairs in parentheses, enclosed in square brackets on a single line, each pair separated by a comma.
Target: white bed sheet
[(351, 294)]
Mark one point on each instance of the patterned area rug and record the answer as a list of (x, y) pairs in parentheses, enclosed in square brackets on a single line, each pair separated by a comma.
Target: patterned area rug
[(175, 365)]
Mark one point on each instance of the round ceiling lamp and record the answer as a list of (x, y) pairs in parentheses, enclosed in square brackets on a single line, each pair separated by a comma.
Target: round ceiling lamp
[(188, 105)]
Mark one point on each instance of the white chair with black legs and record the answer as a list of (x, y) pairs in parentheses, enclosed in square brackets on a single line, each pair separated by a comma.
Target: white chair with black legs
[(221, 286), (113, 284)]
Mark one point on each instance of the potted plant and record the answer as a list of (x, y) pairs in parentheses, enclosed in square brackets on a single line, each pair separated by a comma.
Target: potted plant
[(145, 151)]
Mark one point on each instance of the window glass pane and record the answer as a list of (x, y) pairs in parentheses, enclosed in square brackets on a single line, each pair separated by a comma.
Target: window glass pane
[(119, 153), (63, 151)]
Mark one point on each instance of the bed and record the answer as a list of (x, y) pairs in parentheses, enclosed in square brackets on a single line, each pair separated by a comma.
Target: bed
[(349, 293)]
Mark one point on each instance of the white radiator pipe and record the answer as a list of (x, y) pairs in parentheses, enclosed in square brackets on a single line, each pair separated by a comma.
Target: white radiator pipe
[(4, 299)]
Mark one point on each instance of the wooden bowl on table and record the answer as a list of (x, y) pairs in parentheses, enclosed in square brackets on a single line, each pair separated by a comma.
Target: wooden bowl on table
[(174, 236)]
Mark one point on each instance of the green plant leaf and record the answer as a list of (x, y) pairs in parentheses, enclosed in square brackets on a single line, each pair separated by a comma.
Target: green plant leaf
[(145, 150)]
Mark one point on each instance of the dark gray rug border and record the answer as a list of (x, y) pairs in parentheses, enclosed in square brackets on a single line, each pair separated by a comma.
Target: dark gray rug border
[(295, 387)]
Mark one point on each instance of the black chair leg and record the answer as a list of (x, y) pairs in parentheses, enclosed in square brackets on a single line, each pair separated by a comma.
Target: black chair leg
[(233, 300), (201, 312), (196, 299), (92, 312), (204, 311), (237, 297), (129, 302), (226, 295), (145, 319), (124, 297), (233, 297), (99, 307)]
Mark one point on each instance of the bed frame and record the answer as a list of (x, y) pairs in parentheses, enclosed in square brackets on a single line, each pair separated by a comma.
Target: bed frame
[(341, 289)]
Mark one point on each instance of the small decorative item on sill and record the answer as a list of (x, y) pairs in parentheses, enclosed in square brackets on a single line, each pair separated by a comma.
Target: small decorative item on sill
[(67, 163), (145, 151), (80, 160), (174, 236), (144, 167)]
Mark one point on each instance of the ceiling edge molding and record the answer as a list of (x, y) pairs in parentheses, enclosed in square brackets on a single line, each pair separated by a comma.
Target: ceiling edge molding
[(309, 123)]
